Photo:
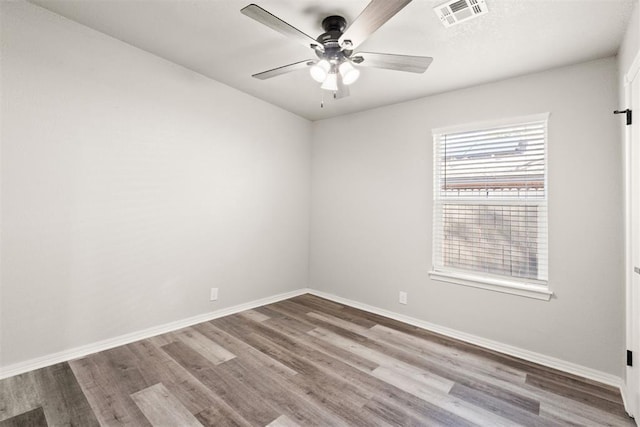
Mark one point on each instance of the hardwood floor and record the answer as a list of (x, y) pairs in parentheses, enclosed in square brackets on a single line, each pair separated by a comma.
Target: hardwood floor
[(302, 362)]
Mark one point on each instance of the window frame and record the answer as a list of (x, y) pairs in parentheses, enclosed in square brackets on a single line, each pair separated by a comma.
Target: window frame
[(531, 288)]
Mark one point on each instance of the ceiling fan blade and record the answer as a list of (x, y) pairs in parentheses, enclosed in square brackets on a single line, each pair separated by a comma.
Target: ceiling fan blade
[(262, 16), (284, 69), (343, 90), (372, 17), (412, 64)]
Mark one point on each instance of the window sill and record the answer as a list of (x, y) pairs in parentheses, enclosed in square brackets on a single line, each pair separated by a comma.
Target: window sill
[(528, 290)]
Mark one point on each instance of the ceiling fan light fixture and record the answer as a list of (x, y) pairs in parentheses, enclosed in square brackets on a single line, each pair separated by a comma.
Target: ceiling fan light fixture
[(348, 72), (330, 82), (320, 70)]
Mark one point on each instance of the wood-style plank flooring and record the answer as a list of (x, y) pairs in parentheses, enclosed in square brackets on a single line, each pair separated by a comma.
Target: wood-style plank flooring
[(302, 362)]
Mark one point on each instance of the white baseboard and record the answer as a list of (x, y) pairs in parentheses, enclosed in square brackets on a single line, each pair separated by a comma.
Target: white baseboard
[(74, 353), (531, 356), (510, 350)]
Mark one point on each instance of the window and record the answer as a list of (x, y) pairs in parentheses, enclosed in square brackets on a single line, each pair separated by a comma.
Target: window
[(490, 206)]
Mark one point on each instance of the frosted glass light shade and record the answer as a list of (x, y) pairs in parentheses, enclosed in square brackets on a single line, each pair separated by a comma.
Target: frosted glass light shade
[(330, 82), (319, 71), (349, 73)]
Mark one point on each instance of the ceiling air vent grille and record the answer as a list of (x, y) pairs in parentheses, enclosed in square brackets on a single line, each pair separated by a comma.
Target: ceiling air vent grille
[(457, 11)]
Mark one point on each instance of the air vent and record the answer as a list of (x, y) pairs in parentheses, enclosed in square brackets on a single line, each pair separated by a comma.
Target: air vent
[(457, 11)]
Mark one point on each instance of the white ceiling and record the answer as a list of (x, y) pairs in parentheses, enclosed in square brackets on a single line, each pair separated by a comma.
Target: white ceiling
[(213, 38)]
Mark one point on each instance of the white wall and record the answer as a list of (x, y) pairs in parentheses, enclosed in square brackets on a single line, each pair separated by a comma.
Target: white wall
[(131, 186), (372, 208)]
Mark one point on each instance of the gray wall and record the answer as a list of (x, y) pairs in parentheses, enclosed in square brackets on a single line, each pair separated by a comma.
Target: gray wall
[(371, 213), (631, 41), (130, 186)]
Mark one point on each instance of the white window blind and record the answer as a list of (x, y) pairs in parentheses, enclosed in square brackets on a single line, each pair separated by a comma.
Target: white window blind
[(490, 207)]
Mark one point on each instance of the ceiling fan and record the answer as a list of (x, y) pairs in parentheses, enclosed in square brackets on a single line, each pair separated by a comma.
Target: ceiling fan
[(337, 64)]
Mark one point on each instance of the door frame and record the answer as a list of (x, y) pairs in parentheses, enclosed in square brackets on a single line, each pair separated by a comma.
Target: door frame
[(631, 389)]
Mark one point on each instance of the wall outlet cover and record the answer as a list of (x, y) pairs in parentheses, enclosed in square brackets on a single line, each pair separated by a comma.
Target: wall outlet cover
[(402, 299)]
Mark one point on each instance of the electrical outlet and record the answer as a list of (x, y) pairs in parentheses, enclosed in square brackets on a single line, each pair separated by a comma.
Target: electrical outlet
[(402, 299), (214, 294)]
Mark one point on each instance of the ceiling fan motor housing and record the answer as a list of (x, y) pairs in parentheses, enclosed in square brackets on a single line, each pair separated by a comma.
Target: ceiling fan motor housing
[(334, 26)]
